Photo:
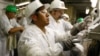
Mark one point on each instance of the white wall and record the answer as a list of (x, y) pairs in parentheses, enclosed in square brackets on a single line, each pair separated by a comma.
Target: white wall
[(3, 4)]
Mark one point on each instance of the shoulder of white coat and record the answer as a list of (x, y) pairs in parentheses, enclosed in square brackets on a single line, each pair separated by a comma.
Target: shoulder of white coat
[(3, 17), (48, 28), (29, 31)]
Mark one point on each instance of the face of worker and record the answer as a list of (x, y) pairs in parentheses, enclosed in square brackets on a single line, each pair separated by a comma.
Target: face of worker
[(42, 17), (11, 15), (58, 13)]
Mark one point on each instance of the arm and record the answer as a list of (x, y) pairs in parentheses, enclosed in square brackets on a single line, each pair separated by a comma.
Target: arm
[(16, 29), (7, 27), (62, 36)]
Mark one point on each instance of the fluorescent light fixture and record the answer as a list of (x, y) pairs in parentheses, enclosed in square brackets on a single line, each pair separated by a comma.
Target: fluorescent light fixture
[(22, 8), (21, 4), (93, 3), (87, 10)]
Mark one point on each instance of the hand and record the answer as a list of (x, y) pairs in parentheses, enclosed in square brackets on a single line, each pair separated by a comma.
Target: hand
[(21, 29), (68, 44)]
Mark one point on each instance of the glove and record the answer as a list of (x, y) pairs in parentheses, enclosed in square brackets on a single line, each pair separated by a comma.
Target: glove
[(67, 45)]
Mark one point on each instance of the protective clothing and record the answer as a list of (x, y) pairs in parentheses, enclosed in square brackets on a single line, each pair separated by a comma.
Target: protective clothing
[(80, 20), (59, 27), (2, 44), (11, 8), (33, 42), (62, 27), (54, 25), (23, 22), (29, 9), (57, 4), (67, 25)]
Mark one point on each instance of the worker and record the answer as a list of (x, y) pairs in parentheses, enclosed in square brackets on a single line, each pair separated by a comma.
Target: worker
[(57, 24), (37, 39), (21, 19), (67, 25), (9, 27)]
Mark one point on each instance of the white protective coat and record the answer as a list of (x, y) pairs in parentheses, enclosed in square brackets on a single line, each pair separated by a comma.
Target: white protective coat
[(23, 22), (34, 42), (62, 27)]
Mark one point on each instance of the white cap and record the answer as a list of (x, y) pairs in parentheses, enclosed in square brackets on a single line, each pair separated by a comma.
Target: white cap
[(66, 15), (57, 4), (47, 5), (32, 7)]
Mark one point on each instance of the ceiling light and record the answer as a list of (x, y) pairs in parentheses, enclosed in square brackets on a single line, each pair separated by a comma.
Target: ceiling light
[(87, 10)]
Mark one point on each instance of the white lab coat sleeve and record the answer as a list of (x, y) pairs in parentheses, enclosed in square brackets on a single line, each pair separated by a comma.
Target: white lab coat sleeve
[(67, 25), (56, 50), (5, 25), (34, 49), (62, 36)]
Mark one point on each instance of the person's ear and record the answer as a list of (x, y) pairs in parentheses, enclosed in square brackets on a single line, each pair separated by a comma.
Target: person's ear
[(34, 17)]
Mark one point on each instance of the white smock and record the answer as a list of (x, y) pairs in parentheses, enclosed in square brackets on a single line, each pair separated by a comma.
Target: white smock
[(33, 42)]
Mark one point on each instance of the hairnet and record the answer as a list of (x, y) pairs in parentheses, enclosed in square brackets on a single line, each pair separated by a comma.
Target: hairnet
[(32, 7), (80, 20), (11, 8)]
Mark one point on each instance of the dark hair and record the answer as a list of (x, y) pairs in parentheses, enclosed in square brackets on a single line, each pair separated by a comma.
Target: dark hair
[(39, 9)]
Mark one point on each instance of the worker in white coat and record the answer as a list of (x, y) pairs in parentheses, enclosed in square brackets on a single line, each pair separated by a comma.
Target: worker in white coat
[(57, 8), (38, 40), (21, 19), (67, 25), (9, 27)]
